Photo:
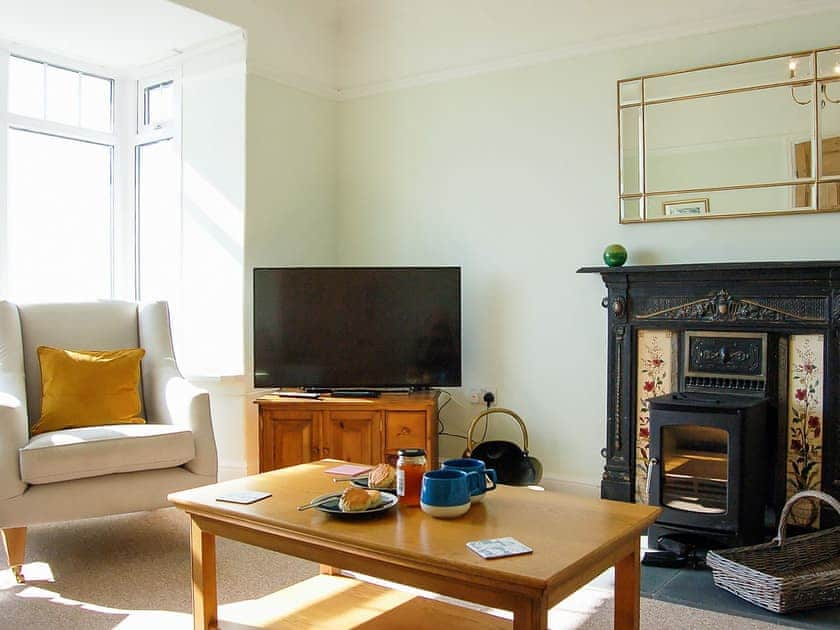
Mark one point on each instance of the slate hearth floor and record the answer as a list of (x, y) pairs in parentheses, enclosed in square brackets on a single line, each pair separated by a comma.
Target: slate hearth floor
[(697, 589)]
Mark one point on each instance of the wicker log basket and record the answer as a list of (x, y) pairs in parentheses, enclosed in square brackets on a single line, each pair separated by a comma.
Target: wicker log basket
[(785, 574)]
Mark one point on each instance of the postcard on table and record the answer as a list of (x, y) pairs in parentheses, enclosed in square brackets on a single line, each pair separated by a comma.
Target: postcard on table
[(498, 547)]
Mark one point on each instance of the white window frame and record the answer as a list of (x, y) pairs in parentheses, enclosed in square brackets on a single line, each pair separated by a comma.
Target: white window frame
[(9, 120), (127, 134), (156, 80), (149, 134), (4, 139)]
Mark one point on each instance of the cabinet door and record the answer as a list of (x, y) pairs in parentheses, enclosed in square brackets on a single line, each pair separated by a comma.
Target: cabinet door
[(352, 435), (288, 438), (404, 429)]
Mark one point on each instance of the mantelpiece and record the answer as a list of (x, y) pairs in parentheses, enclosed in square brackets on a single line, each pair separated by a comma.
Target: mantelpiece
[(795, 304)]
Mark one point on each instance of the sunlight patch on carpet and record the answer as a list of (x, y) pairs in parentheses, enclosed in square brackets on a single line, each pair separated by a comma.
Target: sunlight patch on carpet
[(33, 572)]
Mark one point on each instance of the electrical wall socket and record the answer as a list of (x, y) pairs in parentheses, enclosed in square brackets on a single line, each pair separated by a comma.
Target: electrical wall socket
[(477, 395)]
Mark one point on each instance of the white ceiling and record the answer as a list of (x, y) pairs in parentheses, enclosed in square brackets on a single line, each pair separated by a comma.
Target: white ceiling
[(355, 45), (293, 41), (116, 33)]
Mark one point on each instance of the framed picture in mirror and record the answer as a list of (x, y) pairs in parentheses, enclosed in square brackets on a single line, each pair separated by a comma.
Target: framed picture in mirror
[(688, 208)]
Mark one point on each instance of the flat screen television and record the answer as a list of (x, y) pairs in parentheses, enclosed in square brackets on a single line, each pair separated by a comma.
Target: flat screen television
[(357, 327)]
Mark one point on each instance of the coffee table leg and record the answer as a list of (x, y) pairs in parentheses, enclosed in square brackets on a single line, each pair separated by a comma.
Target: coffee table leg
[(627, 589), (531, 615), (203, 550)]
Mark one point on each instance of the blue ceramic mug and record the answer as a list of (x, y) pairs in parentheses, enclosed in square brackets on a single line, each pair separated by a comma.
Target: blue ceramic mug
[(482, 482), (445, 493)]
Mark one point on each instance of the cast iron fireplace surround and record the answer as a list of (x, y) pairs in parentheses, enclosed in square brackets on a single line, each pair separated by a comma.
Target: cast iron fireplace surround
[(778, 301)]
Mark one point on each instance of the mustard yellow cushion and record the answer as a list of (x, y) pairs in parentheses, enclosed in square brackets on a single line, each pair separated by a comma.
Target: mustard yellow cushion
[(83, 388)]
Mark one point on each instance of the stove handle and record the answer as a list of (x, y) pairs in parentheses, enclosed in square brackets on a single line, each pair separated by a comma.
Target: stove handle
[(653, 462)]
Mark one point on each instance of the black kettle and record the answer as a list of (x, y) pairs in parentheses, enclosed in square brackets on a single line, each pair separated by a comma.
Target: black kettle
[(512, 464)]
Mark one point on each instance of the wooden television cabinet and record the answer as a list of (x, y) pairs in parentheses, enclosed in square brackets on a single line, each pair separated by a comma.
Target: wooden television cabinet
[(365, 430)]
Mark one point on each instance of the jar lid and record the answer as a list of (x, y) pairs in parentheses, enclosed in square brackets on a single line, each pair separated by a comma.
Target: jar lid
[(411, 452)]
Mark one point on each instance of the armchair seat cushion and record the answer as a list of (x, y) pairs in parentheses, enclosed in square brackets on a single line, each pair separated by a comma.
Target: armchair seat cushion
[(104, 450)]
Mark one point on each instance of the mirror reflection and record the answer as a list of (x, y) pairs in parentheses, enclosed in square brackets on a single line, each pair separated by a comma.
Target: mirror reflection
[(747, 138)]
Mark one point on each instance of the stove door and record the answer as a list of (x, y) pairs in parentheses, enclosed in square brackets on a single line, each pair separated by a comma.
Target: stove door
[(694, 473), (695, 468)]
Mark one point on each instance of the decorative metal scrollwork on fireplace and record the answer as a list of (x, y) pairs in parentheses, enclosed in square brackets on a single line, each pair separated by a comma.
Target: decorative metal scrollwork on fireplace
[(724, 307)]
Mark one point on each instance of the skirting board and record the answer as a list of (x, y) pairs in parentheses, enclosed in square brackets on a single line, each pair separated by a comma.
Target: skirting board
[(571, 487)]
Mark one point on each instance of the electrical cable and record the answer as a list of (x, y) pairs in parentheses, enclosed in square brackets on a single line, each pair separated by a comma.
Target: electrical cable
[(441, 425), (463, 437), (487, 417)]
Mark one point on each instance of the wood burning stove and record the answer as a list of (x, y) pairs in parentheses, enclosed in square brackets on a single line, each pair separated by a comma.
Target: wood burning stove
[(705, 468), (788, 317), (709, 443)]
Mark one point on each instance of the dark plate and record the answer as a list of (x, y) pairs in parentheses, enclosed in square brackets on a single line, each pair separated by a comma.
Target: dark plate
[(362, 482), (331, 507)]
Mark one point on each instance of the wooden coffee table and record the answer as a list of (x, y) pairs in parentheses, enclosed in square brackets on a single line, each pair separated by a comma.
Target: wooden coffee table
[(574, 540)]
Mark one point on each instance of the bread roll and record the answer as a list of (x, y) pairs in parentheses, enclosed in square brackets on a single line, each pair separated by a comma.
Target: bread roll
[(383, 476), (358, 499)]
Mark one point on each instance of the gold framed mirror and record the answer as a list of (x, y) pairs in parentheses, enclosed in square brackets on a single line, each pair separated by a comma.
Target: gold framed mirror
[(748, 138)]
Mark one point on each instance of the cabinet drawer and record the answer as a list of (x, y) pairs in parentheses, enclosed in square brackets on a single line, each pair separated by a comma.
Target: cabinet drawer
[(405, 429)]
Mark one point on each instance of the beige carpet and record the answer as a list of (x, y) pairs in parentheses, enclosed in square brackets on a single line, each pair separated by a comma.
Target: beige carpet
[(132, 572)]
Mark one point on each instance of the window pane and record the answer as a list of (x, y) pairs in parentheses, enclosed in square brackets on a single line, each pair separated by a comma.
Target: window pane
[(96, 103), (26, 87), (159, 103), (59, 212), (62, 96), (159, 221)]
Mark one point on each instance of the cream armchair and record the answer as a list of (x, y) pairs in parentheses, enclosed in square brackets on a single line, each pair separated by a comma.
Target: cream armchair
[(94, 471)]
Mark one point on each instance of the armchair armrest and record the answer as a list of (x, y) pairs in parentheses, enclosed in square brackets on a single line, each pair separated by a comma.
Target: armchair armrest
[(168, 397), (14, 420), (171, 399), (14, 433)]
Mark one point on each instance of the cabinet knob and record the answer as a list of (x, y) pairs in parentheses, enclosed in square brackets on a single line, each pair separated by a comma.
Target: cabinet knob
[(315, 451), (325, 450), (404, 431)]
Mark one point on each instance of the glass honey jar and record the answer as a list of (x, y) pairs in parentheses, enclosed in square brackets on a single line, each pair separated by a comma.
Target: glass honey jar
[(411, 464)]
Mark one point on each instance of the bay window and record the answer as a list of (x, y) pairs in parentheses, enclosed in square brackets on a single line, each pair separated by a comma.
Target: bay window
[(99, 199), (65, 223), (59, 206)]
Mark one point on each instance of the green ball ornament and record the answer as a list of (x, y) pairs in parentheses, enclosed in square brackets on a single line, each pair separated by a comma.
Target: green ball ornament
[(615, 255)]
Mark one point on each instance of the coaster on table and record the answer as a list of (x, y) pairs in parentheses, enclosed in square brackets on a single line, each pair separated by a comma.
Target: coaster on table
[(243, 496), (498, 547)]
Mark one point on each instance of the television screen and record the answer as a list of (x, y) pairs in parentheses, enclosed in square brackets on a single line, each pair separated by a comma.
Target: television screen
[(365, 327)]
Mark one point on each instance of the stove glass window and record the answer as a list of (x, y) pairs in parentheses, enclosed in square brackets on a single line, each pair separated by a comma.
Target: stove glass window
[(695, 468)]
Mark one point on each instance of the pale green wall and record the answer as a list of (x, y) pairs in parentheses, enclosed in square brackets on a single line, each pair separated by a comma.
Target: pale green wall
[(513, 176), (213, 185), (291, 207), (290, 216), (291, 213)]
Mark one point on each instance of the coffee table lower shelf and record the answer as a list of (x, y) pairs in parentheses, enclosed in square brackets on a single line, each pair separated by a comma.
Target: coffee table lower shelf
[(329, 602)]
